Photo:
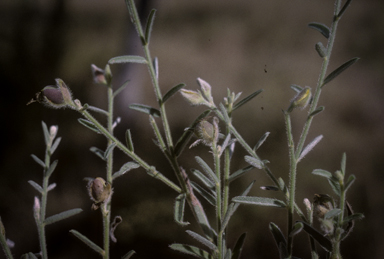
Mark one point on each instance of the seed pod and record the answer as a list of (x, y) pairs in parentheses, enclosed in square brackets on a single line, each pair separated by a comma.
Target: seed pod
[(301, 100), (99, 191)]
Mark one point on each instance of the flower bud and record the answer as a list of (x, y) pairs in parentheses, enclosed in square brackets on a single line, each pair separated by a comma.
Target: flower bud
[(206, 88), (194, 98), (301, 100), (99, 191), (101, 76)]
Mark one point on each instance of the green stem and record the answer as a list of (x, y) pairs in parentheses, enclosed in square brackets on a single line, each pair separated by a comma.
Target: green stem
[(3, 242), (216, 158), (292, 180)]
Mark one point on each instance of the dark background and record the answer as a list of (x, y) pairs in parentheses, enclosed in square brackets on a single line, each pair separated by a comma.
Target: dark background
[(228, 44)]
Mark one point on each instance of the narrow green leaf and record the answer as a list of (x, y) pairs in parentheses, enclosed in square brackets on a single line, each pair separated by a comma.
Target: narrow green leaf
[(233, 207), (296, 88), (47, 136), (261, 141), (98, 110), (339, 70), (351, 180), (159, 138), (277, 235), (36, 186), (128, 140), (145, 109), (179, 210), (51, 168), (343, 163), (88, 242), (98, 152), (61, 216), (51, 187), (37, 160), (270, 188), (309, 147), (207, 182), (239, 246), (89, 125), (345, 6), (28, 256), (356, 216), (127, 59), (335, 186), (322, 28), (128, 255), (55, 145), (246, 99), (109, 150), (317, 111), (125, 168), (223, 112), (191, 250), (240, 172), (322, 173), (261, 201), (208, 171), (148, 28), (172, 91), (321, 50), (121, 88), (187, 135), (204, 193), (322, 240), (296, 229), (254, 162), (332, 213), (202, 240)]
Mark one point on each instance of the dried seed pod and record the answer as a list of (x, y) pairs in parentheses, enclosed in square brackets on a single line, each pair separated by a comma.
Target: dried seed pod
[(99, 191)]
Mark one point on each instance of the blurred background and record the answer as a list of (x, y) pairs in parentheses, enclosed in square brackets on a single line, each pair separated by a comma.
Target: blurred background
[(241, 45)]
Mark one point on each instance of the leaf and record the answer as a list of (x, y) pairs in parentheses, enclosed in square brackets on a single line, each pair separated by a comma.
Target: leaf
[(262, 201), (98, 110), (51, 168), (321, 50), (207, 182), (202, 240), (89, 125), (261, 140), (36, 186), (332, 213), (191, 250), (345, 6), (145, 109), (28, 256), (296, 229), (51, 187), (309, 147), (278, 236), (55, 145), (356, 216), (270, 188), (335, 186), (322, 240), (351, 180), (343, 163), (172, 91), (322, 28), (246, 99), (128, 140), (206, 194), (224, 114), (121, 88), (233, 207), (109, 150), (125, 168), (98, 152), (116, 221), (208, 171), (148, 28), (339, 70), (47, 136), (127, 59), (155, 63), (254, 162), (239, 246), (88, 242), (296, 88), (128, 255), (322, 173), (187, 135), (37, 160), (239, 173), (179, 210), (61, 216), (317, 111)]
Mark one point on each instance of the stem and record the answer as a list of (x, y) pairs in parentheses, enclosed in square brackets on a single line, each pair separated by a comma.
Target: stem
[(216, 158), (292, 180), (3, 242)]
